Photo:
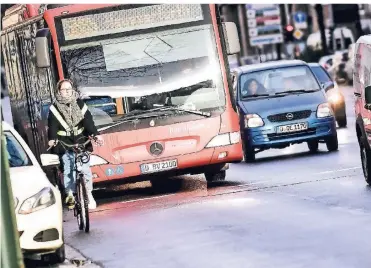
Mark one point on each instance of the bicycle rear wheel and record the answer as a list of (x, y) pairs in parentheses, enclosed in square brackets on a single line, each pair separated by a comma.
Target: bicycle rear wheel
[(84, 204)]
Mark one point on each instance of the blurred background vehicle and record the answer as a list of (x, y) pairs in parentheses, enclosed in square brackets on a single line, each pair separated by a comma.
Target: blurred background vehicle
[(333, 93)]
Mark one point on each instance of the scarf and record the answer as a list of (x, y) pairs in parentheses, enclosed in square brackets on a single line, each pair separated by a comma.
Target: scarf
[(69, 109)]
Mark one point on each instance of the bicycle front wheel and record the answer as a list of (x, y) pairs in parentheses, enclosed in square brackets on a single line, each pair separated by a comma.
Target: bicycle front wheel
[(83, 200)]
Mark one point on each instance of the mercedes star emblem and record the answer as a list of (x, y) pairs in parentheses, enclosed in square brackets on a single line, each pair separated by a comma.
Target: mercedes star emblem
[(156, 148), (289, 116), (152, 123)]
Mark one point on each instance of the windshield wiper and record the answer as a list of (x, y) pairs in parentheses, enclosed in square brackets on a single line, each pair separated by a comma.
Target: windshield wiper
[(296, 91), (256, 96), (177, 108), (129, 119)]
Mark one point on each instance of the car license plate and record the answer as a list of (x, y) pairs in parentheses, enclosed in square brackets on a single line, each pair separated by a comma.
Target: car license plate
[(159, 166), (292, 127)]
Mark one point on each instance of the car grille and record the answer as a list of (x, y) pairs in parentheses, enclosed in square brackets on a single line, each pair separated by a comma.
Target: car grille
[(298, 134), (295, 115)]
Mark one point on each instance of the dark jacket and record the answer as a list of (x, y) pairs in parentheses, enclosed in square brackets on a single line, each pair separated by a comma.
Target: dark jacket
[(54, 126)]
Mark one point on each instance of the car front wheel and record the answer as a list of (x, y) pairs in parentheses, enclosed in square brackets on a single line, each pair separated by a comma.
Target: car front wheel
[(332, 143), (313, 146), (342, 121)]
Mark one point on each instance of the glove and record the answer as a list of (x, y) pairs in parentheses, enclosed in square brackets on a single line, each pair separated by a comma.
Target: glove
[(99, 140), (51, 143)]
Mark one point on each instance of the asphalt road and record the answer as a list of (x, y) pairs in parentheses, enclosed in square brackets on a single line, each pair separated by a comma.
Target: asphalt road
[(289, 209)]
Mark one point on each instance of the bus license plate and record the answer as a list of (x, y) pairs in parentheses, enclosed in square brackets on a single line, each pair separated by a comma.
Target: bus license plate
[(159, 166), (292, 127)]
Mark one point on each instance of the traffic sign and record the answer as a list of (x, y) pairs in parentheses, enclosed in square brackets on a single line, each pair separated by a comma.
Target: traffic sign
[(300, 20), (298, 34)]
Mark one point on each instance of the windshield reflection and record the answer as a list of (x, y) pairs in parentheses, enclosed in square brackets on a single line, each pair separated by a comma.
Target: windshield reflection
[(171, 68), (297, 79)]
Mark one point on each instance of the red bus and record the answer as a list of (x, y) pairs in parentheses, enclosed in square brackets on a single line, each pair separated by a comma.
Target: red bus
[(155, 78)]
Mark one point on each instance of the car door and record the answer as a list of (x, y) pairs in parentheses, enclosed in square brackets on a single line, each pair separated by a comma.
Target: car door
[(366, 82)]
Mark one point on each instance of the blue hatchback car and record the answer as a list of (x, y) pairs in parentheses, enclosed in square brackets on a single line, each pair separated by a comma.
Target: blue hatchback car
[(282, 103)]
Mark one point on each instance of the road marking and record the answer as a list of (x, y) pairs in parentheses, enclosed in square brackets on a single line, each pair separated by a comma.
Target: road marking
[(337, 170), (147, 198)]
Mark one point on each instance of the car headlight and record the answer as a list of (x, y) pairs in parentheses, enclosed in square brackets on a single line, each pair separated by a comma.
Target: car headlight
[(334, 96), (96, 160), (324, 110), (43, 199), (253, 120), (224, 139)]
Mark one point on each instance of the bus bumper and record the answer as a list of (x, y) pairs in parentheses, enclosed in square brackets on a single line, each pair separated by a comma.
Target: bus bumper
[(195, 163)]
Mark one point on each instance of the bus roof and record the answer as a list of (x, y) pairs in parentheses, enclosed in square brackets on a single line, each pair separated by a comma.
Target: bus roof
[(365, 39)]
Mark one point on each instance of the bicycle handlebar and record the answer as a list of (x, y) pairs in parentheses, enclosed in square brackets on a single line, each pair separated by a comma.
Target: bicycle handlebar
[(78, 145)]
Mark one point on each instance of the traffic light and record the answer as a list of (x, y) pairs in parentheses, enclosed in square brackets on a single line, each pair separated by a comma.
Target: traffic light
[(289, 33)]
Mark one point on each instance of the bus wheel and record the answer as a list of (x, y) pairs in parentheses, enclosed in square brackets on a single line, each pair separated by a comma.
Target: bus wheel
[(215, 176)]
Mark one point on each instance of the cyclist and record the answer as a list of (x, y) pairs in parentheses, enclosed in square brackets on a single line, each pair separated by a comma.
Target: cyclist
[(70, 121)]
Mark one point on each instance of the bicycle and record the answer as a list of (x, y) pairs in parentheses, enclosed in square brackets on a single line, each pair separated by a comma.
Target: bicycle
[(81, 209)]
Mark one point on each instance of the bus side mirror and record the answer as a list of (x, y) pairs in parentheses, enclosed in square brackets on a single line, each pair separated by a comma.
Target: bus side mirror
[(49, 160), (43, 48), (368, 97), (231, 38)]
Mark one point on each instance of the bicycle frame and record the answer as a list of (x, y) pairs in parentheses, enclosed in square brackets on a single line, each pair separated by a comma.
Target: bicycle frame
[(81, 210)]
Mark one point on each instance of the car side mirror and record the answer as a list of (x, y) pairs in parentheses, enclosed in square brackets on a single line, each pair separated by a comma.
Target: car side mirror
[(328, 85), (49, 160), (368, 97)]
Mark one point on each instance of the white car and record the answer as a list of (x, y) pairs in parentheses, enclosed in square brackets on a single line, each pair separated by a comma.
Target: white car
[(38, 205)]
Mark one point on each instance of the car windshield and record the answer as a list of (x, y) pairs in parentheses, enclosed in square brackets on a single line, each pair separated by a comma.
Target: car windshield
[(276, 81), (178, 67), (321, 74), (17, 156)]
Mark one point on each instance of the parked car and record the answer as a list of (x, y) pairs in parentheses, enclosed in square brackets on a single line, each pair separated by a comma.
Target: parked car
[(282, 103), (334, 95), (362, 92), (38, 204)]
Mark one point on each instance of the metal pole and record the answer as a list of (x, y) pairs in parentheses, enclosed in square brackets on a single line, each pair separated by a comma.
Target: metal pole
[(11, 255), (243, 23), (330, 16), (288, 17)]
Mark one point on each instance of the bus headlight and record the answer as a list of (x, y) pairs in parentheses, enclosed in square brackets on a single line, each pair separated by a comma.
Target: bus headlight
[(96, 160), (224, 139), (253, 120)]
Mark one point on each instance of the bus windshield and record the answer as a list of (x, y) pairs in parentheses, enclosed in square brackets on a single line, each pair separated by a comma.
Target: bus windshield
[(178, 67)]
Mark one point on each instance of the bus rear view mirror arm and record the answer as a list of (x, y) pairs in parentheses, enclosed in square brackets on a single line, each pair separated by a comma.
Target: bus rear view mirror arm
[(43, 48), (231, 38)]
